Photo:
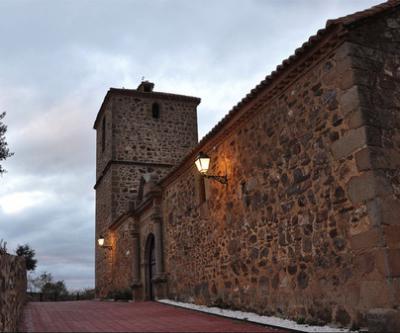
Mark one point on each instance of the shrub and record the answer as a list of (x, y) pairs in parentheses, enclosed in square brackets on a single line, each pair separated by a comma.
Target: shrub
[(29, 254), (84, 294), (120, 294)]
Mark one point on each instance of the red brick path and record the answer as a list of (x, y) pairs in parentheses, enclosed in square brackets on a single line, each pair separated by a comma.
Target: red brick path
[(92, 316)]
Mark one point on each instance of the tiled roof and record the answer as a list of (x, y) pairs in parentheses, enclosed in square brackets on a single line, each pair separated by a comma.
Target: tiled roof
[(363, 14), (153, 94), (345, 20), (338, 23)]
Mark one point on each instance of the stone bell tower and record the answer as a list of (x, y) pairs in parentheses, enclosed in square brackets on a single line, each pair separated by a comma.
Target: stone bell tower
[(138, 131)]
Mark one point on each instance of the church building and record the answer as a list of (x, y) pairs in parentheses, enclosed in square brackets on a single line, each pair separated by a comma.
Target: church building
[(289, 206)]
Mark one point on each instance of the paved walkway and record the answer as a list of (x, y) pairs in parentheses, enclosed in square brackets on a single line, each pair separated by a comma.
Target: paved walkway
[(92, 316)]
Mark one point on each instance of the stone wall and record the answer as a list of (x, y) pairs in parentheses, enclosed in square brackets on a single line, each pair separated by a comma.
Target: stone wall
[(103, 219), (122, 261), (138, 136), (374, 50), (307, 226), (136, 143), (154, 144), (12, 291)]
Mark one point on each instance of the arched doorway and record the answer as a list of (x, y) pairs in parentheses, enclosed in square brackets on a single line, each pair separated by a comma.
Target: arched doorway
[(150, 266)]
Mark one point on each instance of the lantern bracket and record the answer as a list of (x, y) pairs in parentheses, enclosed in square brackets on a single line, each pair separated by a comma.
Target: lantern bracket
[(100, 242), (220, 179), (202, 163)]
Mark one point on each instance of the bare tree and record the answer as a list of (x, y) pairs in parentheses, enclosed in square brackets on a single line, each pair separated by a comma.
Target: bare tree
[(3, 247)]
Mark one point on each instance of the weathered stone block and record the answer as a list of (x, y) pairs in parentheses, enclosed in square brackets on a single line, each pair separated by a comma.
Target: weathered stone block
[(372, 158), (391, 211), (347, 79), (396, 290), (393, 257), (342, 317), (365, 263), (392, 236), (361, 188), (373, 293), (367, 187), (356, 119), (384, 211), (349, 142), (344, 51), (383, 320), (349, 100), (343, 65), (355, 139), (366, 240), (363, 159)]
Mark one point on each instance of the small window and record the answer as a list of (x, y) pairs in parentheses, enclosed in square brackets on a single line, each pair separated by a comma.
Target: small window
[(103, 134), (155, 110)]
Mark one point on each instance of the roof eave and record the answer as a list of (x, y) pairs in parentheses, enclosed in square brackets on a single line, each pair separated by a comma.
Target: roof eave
[(153, 94)]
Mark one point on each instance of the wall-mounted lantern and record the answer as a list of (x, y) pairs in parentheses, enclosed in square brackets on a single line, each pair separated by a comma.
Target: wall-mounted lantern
[(100, 241), (202, 163)]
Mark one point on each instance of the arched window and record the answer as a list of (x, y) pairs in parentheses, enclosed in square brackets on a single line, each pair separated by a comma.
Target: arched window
[(155, 110)]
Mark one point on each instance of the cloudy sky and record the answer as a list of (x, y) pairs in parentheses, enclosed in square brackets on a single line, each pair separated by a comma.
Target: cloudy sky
[(57, 61)]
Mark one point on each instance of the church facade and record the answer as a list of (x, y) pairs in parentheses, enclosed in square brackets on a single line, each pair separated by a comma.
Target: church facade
[(307, 225)]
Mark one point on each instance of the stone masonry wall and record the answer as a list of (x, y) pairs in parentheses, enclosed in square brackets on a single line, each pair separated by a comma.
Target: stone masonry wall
[(374, 49), (103, 220), (291, 234), (275, 239), (308, 226), (12, 291), (139, 137), (126, 181), (122, 261), (136, 144), (104, 156)]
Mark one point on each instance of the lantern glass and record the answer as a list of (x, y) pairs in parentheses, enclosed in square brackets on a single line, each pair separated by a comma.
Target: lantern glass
[(202, 162), (100, 241)]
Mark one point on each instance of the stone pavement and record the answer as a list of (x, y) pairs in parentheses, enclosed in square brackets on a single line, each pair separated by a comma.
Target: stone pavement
[(95, 316)]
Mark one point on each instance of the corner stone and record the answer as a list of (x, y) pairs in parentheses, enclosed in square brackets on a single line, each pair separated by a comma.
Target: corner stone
[(365, 240), (351, 141), (394, 263), (383, 320), (377, 158), (384, 211), (349, 100), (367, 187)]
